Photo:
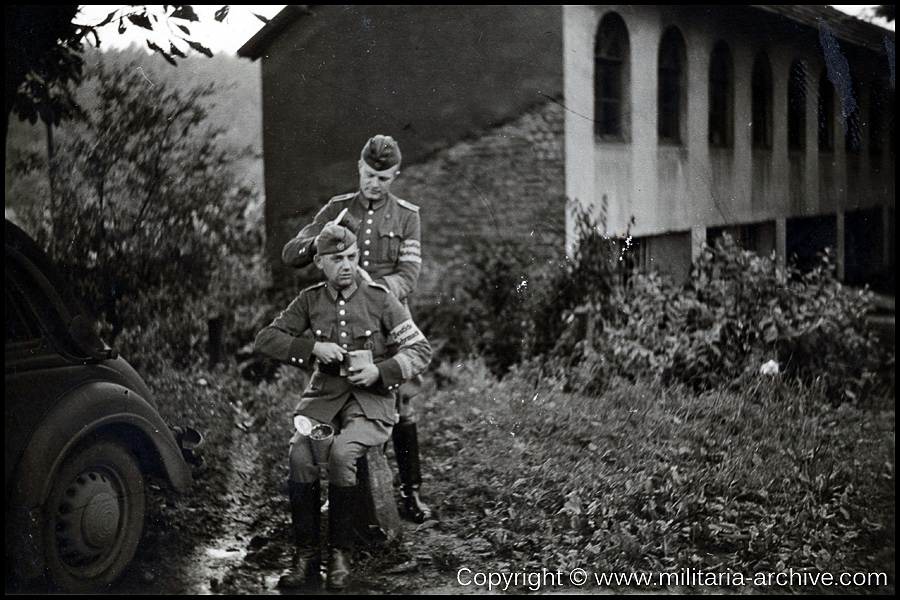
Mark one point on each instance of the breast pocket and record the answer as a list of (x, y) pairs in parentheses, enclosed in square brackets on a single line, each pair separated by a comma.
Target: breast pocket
[(324, 334), (369, 339), (389, 243)]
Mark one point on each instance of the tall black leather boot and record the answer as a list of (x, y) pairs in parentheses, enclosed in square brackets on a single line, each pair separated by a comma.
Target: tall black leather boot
[(406, 447), (306, 516), (340, 532)]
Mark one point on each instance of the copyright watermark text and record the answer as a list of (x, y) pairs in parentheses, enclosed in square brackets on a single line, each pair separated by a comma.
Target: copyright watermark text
[(691, 578)]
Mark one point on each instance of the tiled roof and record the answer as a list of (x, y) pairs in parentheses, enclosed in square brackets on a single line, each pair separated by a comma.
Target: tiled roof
[(845, 27)]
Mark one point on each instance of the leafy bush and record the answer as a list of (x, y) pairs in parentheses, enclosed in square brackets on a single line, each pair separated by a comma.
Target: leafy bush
[(146, 217), (503, 303), (737, 311), (483, 306)]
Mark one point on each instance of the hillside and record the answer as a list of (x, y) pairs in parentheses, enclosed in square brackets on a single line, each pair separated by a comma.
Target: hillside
[(236, 110)]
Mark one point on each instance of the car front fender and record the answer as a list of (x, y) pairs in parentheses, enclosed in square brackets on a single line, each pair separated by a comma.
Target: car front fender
[(99, 407)]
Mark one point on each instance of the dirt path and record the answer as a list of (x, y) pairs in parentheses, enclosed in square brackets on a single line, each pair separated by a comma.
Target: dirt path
[(232, 536)]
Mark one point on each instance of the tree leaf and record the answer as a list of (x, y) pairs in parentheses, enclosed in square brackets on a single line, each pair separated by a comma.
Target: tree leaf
[(200, 48), (141, 20), (108, 19), (222, 13), (165, 55), (186, 12), (261, 18)]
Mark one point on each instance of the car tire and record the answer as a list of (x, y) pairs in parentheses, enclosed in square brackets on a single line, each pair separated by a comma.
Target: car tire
[(94, 516)]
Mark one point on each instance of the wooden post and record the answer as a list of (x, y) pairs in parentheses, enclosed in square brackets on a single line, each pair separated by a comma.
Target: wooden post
[(216, 327)]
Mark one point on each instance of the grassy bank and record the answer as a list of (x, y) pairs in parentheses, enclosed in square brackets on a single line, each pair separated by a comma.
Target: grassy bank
[(642, 479), (648, 479)]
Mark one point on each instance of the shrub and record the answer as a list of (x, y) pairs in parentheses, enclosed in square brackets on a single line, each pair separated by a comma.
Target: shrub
[(146, 217), (737, 311), (483, 306), (507, 303)]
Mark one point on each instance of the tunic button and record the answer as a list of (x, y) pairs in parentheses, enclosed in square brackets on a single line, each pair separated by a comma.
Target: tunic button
[(318, 332), (344, 345), (365, 263), (371, 212), (300, 360), (369, 221), (368, 332), (342, 303), (293, 359), (368, 242), (366, 253), (343, 323), (368, 231), (342, 312)]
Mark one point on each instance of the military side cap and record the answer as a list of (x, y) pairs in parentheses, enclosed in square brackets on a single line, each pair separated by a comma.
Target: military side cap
[(334, 239), (381, 152)]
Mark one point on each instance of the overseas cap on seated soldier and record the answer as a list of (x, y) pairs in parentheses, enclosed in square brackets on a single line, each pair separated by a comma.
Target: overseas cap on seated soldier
[(337, 255)]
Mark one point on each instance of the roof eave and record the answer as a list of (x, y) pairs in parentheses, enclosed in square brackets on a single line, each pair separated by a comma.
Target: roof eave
[(256, 46)]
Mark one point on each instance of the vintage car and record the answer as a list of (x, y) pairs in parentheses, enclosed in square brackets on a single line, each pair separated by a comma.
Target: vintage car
[(82, 437)]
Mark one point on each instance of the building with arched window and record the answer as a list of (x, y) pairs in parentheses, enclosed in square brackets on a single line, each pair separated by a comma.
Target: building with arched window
[(772, 123), (670, 124)]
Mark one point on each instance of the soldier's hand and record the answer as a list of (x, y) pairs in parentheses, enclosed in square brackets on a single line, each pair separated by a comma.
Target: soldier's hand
[(364, 274), (365, 376), (350, 222), (329, 352)]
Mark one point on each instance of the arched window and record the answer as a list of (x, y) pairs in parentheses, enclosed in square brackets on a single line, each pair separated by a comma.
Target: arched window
[(761, 99), (797, 82), (671, 91), (611, 53), (721, 96), (826, 113)]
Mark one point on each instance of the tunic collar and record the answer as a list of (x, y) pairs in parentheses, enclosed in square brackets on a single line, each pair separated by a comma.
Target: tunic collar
[(344, 293), (364, 202)]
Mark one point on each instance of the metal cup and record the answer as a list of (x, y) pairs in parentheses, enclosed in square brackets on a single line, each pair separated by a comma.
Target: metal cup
[(356, 359), (321, 439)]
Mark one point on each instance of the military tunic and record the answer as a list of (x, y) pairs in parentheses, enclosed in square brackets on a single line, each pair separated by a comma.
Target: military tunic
[(389, 239), (363, 316)]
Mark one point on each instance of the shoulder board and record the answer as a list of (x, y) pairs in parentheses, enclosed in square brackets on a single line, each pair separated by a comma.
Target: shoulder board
[(315, 286), (379, 286), (407, 205), (343, 197)]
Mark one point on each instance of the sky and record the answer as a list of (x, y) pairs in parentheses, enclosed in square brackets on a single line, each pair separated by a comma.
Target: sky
[(225, 37), (241, 25)]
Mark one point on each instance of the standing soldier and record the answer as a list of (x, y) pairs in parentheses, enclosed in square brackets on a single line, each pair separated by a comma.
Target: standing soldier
[(389, 234), (346, 314)]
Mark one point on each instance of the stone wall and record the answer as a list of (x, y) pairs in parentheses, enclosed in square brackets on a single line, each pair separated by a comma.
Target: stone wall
[(506, 185)]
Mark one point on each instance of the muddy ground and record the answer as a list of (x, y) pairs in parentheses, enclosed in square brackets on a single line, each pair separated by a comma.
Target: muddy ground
[(231, 535)]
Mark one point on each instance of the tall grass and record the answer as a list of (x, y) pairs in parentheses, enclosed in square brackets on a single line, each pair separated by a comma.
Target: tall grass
[(653, 478)]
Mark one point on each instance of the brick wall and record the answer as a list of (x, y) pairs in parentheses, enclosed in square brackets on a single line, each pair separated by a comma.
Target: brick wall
[(506, 184)]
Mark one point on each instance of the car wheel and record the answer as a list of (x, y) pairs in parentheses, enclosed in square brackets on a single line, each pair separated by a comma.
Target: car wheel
[(95, 516)]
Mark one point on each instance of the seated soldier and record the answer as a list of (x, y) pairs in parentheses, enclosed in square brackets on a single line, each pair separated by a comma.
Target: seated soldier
[(344, 313)]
